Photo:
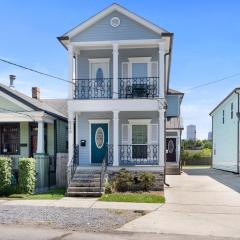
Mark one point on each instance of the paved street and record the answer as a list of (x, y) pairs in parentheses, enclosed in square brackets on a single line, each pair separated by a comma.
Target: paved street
[(200, 202), (23, 233)]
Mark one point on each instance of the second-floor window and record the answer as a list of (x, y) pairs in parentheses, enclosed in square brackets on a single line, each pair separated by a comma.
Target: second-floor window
[(231, 110)]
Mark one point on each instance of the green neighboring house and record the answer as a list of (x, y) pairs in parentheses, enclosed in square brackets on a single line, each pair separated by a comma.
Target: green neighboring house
[(32, 127)]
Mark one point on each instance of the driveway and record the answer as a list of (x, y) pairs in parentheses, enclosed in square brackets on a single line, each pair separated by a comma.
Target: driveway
[(203, 202)]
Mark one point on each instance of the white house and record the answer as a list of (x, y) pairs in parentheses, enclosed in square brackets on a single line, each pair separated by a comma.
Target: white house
[(225, 133), (119, 98)]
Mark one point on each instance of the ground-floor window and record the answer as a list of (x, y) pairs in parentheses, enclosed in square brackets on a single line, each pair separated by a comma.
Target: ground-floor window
[(139, 141), (10, 141)]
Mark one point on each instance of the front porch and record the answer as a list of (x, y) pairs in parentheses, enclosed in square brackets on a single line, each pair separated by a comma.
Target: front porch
[(123, 138)]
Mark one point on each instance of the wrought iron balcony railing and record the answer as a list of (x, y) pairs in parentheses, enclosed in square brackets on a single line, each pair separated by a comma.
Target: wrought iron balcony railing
[(93, 88), (139, 154), (139, 87)]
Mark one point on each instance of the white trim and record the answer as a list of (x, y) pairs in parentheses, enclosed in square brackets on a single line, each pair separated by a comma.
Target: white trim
[(99, 60), (123, 43), (105, 12), (96, 61), (139, 121), (139, 59), (99, 120), (95, 121)]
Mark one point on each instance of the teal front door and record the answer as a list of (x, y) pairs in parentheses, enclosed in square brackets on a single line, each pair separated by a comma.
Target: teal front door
[(99, 140)]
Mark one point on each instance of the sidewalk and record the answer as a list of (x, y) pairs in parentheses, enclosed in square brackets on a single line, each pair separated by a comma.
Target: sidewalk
[(83, 203), (196, 204)]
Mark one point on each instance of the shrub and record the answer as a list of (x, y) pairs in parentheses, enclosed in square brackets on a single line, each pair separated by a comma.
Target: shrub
[(5, 174), (27, 175), (147, 180), (108, 188), (122, 181)]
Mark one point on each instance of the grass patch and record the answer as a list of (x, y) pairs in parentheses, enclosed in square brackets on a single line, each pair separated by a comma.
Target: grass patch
[(133, 197), (52, 194)]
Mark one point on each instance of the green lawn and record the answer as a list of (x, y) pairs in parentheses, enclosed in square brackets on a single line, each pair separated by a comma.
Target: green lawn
[(133, 197), (52, 194)]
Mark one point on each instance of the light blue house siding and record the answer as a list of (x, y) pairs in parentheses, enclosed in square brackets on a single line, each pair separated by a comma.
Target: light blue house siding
[(225, 135), (124, 54), (103, 31), (173, 105), (84, 131)]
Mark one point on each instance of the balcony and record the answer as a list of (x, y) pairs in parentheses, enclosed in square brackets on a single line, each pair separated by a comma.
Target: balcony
[(138, 87)]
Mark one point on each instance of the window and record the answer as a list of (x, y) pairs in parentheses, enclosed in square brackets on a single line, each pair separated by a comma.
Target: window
[(223, 117), (10, 139), (139, 141), (231, 110)]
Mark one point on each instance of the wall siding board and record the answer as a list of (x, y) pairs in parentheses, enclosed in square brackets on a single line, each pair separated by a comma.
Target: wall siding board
[(173, 103), (62, 136), (24, 139), (225, 136), (103, 31), (50, 138), (6, 104), (83, 62)]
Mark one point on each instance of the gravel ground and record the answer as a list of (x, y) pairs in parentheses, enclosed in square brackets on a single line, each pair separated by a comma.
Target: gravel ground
[(81, 219)]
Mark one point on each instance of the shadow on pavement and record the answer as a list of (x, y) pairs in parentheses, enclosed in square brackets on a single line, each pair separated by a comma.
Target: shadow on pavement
[(229, 179)]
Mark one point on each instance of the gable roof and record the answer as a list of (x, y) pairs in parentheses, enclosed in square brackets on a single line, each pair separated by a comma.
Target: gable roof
[(35, 104), (229, 95), (114, 7), (174, 92)]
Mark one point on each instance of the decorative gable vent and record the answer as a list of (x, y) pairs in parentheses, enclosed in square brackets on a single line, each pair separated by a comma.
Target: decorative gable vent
[(115, 22)]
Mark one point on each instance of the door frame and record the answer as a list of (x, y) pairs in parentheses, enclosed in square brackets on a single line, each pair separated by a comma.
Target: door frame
[(176, 148), (95, 121), (98, 60)]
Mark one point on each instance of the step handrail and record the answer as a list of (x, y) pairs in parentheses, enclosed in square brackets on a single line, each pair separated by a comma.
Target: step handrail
[(103, 168)]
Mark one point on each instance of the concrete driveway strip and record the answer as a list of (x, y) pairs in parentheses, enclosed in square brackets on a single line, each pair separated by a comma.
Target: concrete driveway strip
[(195, 205)]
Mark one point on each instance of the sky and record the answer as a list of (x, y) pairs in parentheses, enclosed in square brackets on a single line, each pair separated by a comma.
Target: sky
[(206, 46)]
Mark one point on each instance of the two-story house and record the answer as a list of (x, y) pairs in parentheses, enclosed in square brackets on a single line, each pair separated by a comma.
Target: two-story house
[(119, 98)]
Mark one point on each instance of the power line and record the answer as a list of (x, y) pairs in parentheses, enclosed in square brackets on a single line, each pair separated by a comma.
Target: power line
[(33, 70), (213, 82)]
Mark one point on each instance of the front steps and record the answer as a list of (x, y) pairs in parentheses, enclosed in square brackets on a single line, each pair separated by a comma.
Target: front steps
[(85, 183), (172, 169)]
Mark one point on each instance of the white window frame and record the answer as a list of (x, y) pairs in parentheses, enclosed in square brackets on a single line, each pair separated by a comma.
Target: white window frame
[(98, 60), (146, 60)]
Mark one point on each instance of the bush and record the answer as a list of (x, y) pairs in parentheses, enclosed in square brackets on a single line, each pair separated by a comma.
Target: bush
[(5, 174), (27, 175), (108, 188), (147, 180), (122, 181)]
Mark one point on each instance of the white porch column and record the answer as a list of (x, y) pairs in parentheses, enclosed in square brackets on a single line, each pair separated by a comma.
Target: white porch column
[(161, 67), (115, 70), (70, 135), (77, 137), (70, 72), (40, 137), (115, 138), (161, 137)]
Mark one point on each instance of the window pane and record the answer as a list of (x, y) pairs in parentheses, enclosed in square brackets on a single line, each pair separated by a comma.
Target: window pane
[(139, 134), (10, 139), (139, 70)]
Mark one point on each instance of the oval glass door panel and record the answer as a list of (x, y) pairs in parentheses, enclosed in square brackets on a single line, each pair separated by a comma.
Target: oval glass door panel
[(99, 77), (171, 146), (99, 138)]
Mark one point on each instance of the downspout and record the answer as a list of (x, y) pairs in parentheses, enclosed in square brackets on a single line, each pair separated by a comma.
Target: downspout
[(238, 134)]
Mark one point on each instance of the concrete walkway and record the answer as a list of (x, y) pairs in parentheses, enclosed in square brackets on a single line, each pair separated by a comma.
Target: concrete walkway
[(83, 203), (198, 202)]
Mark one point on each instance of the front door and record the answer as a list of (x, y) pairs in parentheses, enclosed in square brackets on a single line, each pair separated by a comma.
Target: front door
[(171, 149), (99, 140)]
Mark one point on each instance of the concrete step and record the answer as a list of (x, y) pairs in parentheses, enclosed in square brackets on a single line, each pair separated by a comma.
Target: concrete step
[(85, 189), (84, 184), (84, 179), (84, 194), (172, 171), (87, 175)]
